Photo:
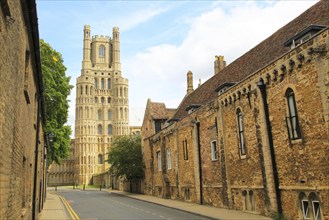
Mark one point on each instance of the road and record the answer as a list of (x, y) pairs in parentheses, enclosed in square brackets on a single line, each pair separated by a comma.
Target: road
[(93, 205)]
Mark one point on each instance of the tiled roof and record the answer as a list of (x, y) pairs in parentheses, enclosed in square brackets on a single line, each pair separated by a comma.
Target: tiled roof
[(257, 58), (159, 111)]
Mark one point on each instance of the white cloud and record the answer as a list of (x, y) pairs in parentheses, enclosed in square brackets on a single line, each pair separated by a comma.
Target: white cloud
[(163, 68)]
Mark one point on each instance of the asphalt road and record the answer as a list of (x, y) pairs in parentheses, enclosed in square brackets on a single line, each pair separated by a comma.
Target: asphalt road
[(94, 205)]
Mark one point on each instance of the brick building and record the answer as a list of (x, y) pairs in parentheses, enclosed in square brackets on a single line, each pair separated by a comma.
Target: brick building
[(254, 137), (22, 145), (64, 174)]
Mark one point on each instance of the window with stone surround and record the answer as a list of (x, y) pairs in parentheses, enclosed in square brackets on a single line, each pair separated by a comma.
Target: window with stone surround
[(100, 129), (101, 51), (214, 152), (242, 144), (108, 83), (102, 83), (292, 118), (109, 129), (100, 159)]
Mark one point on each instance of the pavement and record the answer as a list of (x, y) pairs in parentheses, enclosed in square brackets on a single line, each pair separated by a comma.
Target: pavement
[(56, 207)]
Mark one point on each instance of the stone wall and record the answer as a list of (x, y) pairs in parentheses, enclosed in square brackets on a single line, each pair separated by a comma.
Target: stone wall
[(275, 170)]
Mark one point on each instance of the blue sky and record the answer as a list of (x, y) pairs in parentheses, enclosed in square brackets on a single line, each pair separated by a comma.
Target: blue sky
[(162, 40)]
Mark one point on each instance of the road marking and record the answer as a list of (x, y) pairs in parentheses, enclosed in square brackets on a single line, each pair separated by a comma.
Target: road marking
[(72, 213)]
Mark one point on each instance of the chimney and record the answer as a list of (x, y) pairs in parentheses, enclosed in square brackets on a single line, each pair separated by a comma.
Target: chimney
[(189, 82), (219, 64)]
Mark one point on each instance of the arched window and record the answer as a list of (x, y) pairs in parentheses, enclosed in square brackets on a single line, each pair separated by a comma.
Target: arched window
[(96, 83), (109, 115), (102, 83), (100, 159), (108, 83), (292, 118), (101, 51), (96, 100), (102, 100), (242, 144), (100, 129), (109, 129), (99, 113)]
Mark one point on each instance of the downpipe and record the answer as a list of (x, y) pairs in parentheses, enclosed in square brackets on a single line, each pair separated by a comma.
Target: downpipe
[(262, 87)]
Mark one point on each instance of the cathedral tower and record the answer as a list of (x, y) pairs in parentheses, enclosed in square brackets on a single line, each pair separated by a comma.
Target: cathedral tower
[(102, 110)]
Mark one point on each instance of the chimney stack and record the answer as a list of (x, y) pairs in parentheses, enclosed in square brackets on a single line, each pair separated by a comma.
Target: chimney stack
[(189, 82), (219, 64)]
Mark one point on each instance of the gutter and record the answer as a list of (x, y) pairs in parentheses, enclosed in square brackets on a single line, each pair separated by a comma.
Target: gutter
[(262, 88)]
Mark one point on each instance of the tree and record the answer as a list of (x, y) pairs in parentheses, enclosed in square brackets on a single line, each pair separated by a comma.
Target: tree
[(125, 157), (56, 90)]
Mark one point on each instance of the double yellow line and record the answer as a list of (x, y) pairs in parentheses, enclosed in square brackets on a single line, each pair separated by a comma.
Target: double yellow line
[(73, 215)]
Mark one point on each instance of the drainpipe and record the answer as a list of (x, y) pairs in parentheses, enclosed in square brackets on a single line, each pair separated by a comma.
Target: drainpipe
[(36, 151), (262, 88), (199, 160)]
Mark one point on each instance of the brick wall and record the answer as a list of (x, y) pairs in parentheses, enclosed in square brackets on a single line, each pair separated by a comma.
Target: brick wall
[(18, 116)]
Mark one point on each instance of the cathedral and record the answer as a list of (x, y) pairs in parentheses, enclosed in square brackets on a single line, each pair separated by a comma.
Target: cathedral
[(102, 109)]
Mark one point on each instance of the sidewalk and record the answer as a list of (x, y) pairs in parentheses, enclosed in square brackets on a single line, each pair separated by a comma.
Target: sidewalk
[(54, 208), (208, 211)]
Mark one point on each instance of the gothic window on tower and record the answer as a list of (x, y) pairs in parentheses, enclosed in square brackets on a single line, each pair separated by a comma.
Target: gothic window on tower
[(109, 129), (99, 113), (109, 115), (100, 159), (108, 83), (100, 129), (102, 84), (96, 83), (292, 118), (101, 51)]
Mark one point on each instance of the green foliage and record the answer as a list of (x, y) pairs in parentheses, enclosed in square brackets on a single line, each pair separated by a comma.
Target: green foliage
[(126, 158), (56, 91)]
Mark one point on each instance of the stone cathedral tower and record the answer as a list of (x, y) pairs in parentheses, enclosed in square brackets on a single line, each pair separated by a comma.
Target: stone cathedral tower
[(102, 108)]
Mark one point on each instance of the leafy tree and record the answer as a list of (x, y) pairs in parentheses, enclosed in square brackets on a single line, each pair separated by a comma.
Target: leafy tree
[(125, 157), (56, 91)]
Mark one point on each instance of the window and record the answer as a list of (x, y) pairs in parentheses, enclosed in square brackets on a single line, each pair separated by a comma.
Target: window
[(109, 129), (242, 144), (159, 160), (100, 129), (214, 153), (108, 100), (102, 100), (185, 150), (292, 118), (102, 83), (108, 83), (157, 125), (100, 159), (99, 113), (96, 83), (109, 115), (168, 159), (101, 51), (305, 208), (316, 210), (96, 100)]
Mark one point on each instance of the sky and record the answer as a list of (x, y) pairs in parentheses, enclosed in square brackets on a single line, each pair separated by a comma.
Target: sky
[(161, 41)]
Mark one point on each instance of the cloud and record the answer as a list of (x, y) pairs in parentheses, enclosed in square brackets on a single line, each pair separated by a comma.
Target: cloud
[(228, 29)]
